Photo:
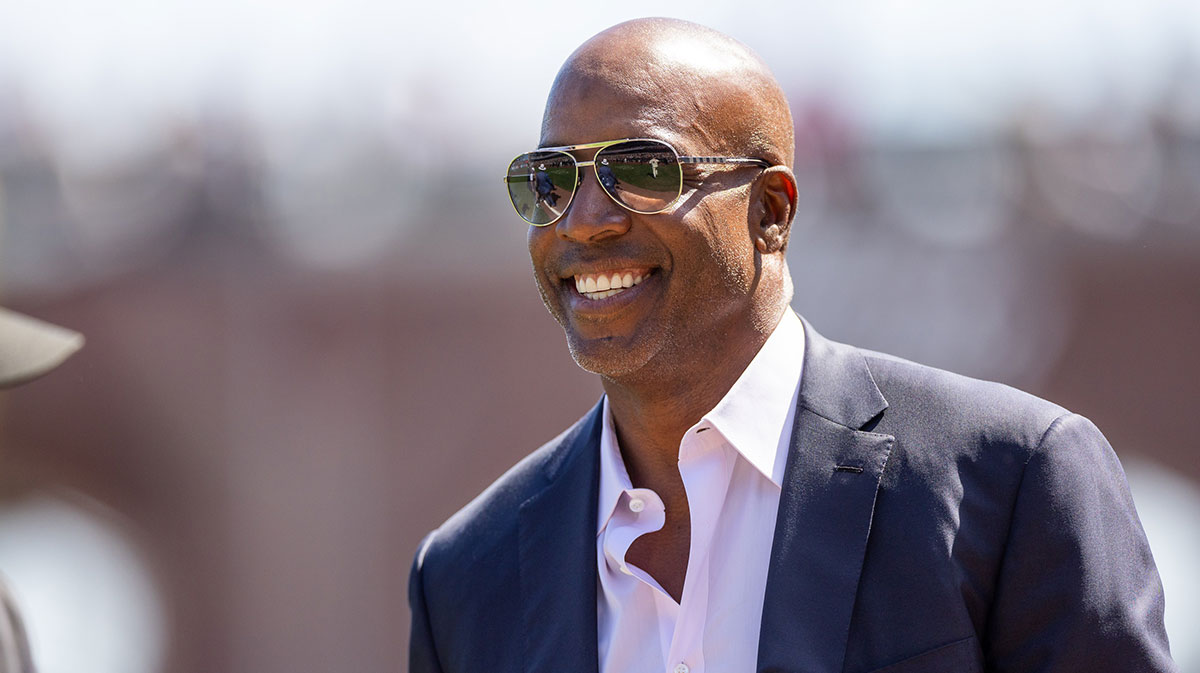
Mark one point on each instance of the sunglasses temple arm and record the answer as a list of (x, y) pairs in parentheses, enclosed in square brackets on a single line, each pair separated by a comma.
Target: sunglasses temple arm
[(726, 160)]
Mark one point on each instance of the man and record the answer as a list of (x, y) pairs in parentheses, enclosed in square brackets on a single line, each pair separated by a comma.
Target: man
[(749, 495), (28, 349)]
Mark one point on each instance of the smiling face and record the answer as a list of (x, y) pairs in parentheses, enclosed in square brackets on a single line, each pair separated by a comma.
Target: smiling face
[(700, 275)]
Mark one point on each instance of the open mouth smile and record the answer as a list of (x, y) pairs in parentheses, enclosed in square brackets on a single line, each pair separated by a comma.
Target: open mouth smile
[(596, 286)]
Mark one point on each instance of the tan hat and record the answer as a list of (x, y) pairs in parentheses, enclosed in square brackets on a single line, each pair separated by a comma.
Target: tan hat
[(30, 347)]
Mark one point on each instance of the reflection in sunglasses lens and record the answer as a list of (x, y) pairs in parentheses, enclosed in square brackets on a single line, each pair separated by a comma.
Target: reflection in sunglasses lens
[(540, 185), (642, 175)]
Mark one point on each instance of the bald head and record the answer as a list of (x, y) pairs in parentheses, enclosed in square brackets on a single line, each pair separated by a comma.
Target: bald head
[(694, 83)]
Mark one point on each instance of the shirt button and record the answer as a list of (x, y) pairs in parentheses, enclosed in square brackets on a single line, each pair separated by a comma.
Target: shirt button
[(636, 505), (682, 668)]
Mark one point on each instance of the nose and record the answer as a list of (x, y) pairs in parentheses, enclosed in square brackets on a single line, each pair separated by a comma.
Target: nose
[(592, 216)]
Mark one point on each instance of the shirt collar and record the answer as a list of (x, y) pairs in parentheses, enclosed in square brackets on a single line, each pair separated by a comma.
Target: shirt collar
[(755, 416)]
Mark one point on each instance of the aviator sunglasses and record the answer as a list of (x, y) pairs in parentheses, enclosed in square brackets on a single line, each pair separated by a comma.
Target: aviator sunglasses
[(640, 174)]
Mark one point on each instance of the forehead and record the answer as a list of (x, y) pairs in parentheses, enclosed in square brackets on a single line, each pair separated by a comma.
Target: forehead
[(586, 107)]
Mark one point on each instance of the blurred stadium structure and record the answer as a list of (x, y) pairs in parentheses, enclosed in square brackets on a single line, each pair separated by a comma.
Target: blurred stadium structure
[(312, 334)]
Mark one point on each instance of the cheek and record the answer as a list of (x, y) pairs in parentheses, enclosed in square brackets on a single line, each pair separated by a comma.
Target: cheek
[(533, 239), (730, 249), (538, 241), (738, 272)]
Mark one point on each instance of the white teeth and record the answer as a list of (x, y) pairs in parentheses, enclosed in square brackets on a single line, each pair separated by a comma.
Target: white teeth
[(602, 286)]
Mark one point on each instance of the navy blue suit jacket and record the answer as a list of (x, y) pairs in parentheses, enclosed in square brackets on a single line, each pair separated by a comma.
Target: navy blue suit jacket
[(928, 522)]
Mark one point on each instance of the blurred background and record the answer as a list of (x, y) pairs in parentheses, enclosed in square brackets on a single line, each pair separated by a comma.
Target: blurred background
[(312, 330)]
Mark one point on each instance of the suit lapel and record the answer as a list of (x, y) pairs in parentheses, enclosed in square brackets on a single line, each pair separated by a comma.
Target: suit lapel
[(825, 511), (557, 532)]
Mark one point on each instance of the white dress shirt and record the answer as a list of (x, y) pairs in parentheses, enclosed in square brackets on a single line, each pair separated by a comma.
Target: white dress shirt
[(732, 464)]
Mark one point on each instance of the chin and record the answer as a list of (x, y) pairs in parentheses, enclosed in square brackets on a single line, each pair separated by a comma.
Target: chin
[(607, 357)]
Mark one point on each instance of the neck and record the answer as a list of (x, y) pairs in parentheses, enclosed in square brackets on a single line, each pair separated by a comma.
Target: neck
[(653, 409)]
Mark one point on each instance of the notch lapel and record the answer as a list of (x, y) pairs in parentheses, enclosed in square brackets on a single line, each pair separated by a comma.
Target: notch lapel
[(557, 530), (825, 511)]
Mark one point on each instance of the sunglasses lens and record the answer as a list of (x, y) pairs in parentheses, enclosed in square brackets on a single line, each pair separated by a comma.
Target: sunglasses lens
[(541, 185), (642, 175)]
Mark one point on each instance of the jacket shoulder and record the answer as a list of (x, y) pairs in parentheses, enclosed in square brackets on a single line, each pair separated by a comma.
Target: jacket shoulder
[(954, 405)]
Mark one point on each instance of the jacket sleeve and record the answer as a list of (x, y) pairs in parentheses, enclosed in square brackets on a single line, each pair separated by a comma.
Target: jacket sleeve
[(1077, 588), (422, 654)]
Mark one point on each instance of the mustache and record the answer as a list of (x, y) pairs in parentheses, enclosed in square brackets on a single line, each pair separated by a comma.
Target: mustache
[(617, 255)]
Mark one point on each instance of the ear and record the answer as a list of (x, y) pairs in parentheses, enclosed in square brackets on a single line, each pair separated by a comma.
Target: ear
[(775, 211)]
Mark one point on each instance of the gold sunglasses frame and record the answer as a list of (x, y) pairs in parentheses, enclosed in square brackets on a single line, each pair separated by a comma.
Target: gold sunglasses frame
[(599, 147)]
